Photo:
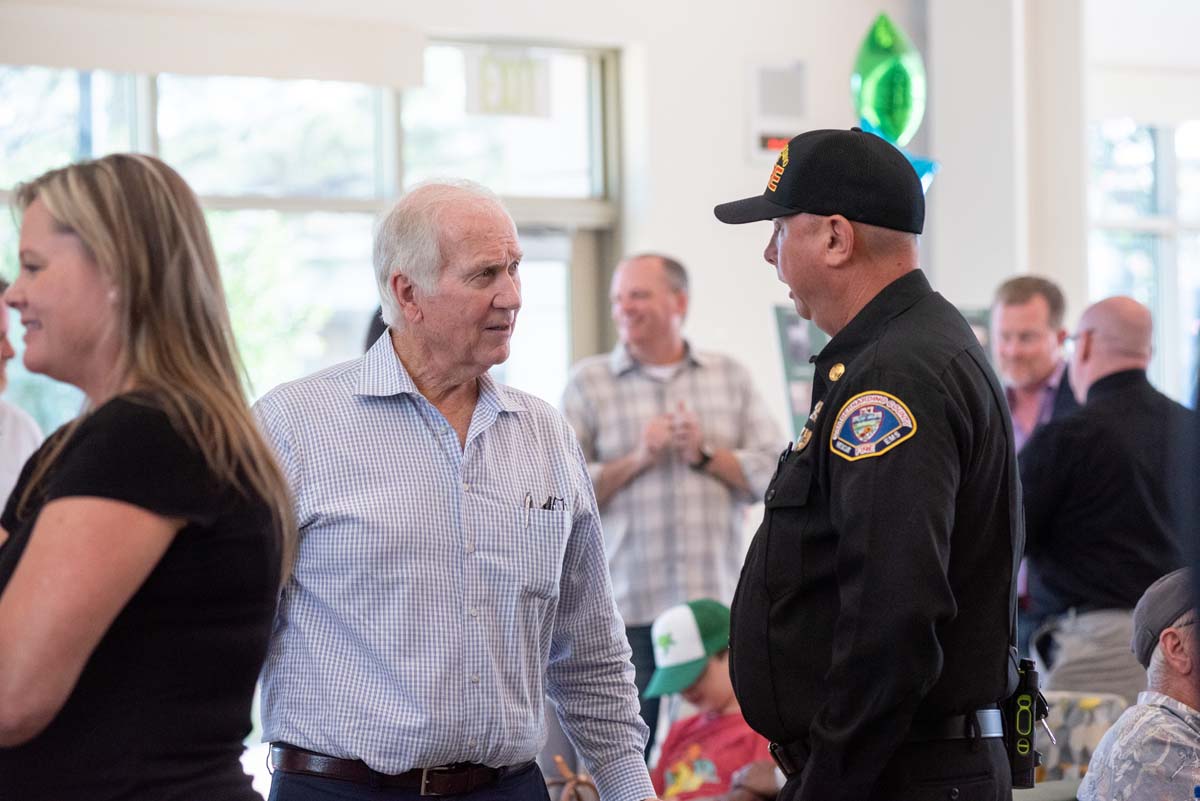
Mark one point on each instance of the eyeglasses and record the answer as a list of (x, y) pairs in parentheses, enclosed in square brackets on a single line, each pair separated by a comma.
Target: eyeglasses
[(1078, 334), (1071, 340)]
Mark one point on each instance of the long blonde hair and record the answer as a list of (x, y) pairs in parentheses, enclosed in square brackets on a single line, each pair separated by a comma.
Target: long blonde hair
[(142, 225)]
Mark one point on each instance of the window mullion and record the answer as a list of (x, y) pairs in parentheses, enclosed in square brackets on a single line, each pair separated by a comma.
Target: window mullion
[(1167, 322), (144, 118)]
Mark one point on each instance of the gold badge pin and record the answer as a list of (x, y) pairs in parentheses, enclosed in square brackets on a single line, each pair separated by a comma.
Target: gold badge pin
[(837, 371), (802, 443), (816, 410)]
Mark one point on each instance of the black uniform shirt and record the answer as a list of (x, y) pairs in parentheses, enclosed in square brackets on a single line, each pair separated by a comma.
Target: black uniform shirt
[(881, 583), (1098, 505)]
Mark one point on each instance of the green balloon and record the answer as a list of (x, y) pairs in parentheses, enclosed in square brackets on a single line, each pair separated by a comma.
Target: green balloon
[(888, 82)]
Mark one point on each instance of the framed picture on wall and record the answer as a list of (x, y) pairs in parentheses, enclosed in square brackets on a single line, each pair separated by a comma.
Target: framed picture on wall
[(799, 341)]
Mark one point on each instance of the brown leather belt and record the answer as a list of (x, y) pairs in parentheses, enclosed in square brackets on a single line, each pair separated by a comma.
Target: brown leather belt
[(462, 777)]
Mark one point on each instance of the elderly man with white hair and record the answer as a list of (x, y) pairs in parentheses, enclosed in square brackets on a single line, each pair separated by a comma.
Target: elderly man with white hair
[(451, 570), (1153, 750)]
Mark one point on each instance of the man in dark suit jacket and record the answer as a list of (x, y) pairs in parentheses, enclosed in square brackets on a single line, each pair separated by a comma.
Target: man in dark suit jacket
[(1100, 514)]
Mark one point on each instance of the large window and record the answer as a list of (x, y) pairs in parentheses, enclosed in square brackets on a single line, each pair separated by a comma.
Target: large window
[(293, 175), (1144, 200)]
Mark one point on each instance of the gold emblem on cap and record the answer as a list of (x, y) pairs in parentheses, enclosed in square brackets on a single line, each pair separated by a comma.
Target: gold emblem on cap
[(837, 371)]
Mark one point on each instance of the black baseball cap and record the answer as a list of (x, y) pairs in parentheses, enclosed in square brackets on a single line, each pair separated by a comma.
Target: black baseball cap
[(852, 173)]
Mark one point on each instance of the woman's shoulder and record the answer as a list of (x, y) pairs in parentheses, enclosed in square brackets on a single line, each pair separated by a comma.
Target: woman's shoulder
[(139, 414), (133, 429)]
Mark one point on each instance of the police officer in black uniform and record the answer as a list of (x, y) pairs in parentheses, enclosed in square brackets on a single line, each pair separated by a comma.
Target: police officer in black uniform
[(873, 621)]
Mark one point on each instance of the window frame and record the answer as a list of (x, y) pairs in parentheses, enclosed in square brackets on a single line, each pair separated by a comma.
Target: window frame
[(1167, 228), (591, 223)]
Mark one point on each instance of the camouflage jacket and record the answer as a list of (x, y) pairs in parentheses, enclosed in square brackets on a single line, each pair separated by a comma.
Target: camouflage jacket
[(1152, 753)]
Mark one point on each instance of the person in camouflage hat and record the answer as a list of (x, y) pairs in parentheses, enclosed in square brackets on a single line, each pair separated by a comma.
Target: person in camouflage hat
[(1153, 750)]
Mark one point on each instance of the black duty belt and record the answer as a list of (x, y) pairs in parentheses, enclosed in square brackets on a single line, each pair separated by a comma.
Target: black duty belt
[(986, 723), (462, 777)]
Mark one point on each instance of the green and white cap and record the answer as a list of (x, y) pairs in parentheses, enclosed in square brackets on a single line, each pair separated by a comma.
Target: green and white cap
[(685, 636)]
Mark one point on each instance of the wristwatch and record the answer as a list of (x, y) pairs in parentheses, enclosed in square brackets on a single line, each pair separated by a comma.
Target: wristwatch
[(706, 455)]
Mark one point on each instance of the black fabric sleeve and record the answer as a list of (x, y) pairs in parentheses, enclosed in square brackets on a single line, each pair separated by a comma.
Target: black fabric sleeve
[(894, 513), (1044, 470), (129, 451)]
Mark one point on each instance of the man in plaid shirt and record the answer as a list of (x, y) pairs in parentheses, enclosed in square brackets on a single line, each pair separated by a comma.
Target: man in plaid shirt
[(678, 443)]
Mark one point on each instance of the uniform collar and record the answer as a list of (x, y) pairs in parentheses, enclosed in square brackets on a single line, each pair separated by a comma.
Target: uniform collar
[(1117, 382), (620, 361), (384, 375), (893, 299)]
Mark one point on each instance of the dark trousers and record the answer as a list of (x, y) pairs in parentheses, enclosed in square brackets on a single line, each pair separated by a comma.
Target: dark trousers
[(526, 784), (643, 666), (962, 770)]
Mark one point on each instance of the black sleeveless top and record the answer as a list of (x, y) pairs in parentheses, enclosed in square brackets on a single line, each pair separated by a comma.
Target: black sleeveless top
[(163, 703)]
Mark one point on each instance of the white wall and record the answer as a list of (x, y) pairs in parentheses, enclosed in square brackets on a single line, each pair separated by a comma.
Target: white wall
[(1148, 33), (1144, 65), (1056, 136), (976, 228)]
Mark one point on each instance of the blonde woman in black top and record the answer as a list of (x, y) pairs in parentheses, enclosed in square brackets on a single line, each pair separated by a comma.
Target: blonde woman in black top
[(142, 549)]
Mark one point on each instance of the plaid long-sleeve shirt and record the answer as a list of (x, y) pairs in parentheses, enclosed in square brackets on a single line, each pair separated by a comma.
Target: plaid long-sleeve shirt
[(673, 534)]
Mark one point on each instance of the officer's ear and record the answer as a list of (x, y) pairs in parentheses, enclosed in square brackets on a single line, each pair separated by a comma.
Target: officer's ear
[(839, 240)]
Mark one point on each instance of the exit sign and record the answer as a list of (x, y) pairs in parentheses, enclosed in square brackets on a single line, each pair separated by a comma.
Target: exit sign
[(507, 83)]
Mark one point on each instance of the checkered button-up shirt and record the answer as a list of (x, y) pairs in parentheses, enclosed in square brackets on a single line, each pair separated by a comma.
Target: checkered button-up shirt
[(673, 534), (431, 609)]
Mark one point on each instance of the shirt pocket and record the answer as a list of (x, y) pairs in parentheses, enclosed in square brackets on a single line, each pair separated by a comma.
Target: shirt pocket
[(539, 551), (787, 513)]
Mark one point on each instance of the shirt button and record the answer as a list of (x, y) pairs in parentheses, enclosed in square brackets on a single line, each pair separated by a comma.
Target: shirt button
[(466, 487), (473, 742), (470, 547), (770, 494), (473, 612), (474, 678)]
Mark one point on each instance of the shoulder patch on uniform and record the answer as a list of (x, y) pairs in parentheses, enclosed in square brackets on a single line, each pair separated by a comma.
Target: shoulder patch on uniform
[(871, 424)]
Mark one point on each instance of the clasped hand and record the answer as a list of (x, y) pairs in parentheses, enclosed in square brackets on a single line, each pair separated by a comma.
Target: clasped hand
[(672, 434)]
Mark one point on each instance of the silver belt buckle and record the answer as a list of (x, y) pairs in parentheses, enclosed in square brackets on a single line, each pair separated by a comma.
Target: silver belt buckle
[(425, 791)]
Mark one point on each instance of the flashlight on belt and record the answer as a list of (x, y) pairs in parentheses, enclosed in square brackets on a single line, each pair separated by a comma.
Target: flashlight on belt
[(1024, 710)]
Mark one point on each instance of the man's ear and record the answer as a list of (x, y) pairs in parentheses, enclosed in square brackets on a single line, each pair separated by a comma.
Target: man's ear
[(839, 240), (1176, 651), (681, 303), (1083, 346), (405, 293)]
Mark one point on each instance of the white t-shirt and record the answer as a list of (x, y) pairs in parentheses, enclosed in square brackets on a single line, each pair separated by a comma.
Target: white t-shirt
[(19, 438), (662, 372)]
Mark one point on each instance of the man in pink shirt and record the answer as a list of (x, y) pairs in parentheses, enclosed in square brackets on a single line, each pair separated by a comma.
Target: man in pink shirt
[(1027, 337)]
